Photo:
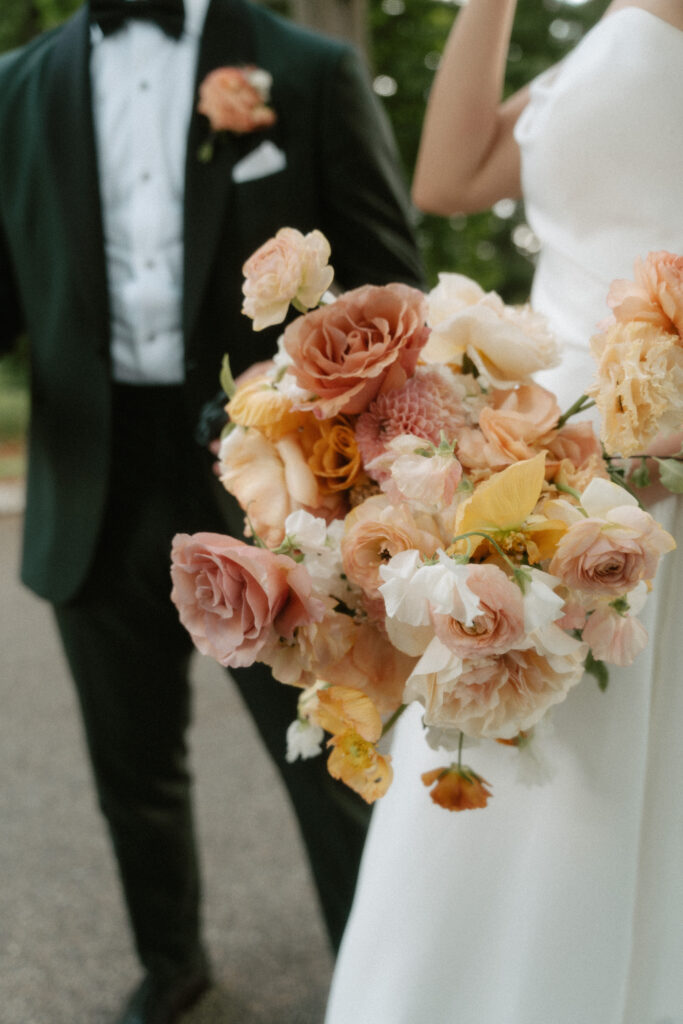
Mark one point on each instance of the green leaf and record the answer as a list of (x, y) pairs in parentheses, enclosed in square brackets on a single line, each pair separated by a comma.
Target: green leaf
[(598, 669), (671, 474), (226, 379), (640, 477)]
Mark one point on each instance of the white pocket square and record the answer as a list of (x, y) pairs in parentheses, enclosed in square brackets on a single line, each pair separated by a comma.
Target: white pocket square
[(264, 160)]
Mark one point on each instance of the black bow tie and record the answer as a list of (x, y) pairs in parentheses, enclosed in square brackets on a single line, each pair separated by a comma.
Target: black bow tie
[(110, 15)]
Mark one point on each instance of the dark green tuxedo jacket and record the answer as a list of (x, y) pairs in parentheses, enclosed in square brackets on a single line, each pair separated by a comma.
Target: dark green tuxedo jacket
[(341, 177)]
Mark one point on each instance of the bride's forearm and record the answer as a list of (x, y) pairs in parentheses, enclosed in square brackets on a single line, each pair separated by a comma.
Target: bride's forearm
[(467, 157)]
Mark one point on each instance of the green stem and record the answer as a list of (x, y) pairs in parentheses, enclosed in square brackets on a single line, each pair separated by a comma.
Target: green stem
[(488, 537), (460, 743), (391, 722), (582, 403)]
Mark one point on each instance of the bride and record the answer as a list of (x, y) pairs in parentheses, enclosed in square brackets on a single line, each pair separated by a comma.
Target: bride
[(560, 903)]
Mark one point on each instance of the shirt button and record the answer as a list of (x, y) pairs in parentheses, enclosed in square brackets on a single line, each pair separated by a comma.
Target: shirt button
[(151, 336), (145, 176), (150, 264), (143, 85)]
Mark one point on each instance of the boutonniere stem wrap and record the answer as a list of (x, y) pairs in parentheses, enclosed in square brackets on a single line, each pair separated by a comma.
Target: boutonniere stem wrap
[(234, 100)]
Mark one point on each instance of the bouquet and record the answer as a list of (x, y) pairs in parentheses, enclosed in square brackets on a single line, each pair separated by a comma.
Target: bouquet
[(425, 524)]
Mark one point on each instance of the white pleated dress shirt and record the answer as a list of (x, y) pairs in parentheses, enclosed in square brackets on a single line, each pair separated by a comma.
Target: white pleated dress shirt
[(143, 94)]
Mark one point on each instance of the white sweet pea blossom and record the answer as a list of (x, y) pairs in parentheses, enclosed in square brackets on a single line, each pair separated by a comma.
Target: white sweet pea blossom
[(304, 740), (601, 497), (541, 604), (451, 583), (319, 544)]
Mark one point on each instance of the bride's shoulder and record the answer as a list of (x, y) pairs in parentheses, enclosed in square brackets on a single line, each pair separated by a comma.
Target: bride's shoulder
[(670, 11)]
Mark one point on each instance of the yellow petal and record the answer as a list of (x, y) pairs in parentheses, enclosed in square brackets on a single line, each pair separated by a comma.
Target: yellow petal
[(504, 501)]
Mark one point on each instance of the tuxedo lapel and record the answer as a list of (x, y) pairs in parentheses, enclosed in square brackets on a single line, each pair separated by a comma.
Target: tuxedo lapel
[(71, 146), (227, 40)]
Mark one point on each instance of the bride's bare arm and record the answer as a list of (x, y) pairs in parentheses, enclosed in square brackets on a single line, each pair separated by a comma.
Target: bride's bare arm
[(468, 158)]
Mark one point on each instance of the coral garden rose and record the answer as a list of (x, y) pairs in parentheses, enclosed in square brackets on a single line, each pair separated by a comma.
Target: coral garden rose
[(235, 99), (611, 555), (289, 268), (365, 342), (639, 385), (656, 294), (233, 598)]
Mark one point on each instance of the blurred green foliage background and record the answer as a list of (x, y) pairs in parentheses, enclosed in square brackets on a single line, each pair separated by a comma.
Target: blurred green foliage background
[(496, 248)]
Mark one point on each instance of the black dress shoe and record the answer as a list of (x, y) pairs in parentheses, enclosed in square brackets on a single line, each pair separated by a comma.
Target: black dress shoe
[(164, 1002)]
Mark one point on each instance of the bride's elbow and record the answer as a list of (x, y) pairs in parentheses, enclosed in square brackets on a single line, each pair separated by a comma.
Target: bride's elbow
[(430, 199)]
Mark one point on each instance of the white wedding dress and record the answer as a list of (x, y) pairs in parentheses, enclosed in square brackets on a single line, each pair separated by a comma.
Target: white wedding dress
[(559, 903)]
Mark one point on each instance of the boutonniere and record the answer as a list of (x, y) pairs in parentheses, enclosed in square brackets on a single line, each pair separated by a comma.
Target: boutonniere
[(234, 100)]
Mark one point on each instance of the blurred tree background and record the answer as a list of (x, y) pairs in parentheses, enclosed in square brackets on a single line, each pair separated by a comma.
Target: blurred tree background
[(403, 40)]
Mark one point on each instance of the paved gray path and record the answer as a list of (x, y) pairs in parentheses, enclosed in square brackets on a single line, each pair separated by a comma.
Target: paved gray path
[(64, 949)]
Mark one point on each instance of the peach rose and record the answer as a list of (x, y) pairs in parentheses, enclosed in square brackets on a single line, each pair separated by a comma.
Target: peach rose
[(375, 531), (270, 480), (373, 665), (656, 294), (516, 422), (233, 598), (610, 556), (639, 386), (289, 268), (498, 697), (235, 100), (497, 626), (367, 341), (575, 442)]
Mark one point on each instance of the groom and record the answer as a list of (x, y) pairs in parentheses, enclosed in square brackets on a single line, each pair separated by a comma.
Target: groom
[(120, 257)]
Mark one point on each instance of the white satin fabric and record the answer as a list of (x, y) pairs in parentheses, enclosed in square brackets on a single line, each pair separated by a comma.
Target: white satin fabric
[(559, 903)]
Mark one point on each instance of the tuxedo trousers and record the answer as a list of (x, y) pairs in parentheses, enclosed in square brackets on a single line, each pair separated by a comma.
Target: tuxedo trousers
[(129, 657)]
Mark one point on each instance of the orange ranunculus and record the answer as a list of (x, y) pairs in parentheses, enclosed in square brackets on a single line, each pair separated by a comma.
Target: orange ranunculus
[(457, 789), (335, 460), (256, 403), (358, 764)]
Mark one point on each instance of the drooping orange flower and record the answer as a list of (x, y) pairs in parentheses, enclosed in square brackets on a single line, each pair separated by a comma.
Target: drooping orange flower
[(457, 789), (341, 709), (335, 459), (359, 765)]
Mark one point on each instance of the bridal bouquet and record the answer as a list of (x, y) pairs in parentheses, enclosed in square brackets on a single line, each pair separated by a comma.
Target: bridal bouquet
[(425, 524)]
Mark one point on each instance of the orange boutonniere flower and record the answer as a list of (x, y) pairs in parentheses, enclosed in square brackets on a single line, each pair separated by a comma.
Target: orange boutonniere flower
[(235, 100)]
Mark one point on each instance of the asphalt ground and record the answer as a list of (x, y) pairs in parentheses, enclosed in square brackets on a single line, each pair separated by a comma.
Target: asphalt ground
[(65, 953)]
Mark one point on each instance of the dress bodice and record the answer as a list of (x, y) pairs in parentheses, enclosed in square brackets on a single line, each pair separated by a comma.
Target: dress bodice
[(596, 133)]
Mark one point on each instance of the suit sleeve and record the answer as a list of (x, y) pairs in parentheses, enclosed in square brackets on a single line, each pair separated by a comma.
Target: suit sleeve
[(11, 314), (367, 209)]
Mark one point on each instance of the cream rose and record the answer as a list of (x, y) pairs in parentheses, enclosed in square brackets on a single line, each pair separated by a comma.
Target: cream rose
[(289, 268)]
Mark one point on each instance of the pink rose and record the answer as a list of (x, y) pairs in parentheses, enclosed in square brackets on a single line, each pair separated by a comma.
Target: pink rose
[(290, 267), (234, 598), (656, 295), (498, 625), (611, 556), (235, 100), (366, 342)]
